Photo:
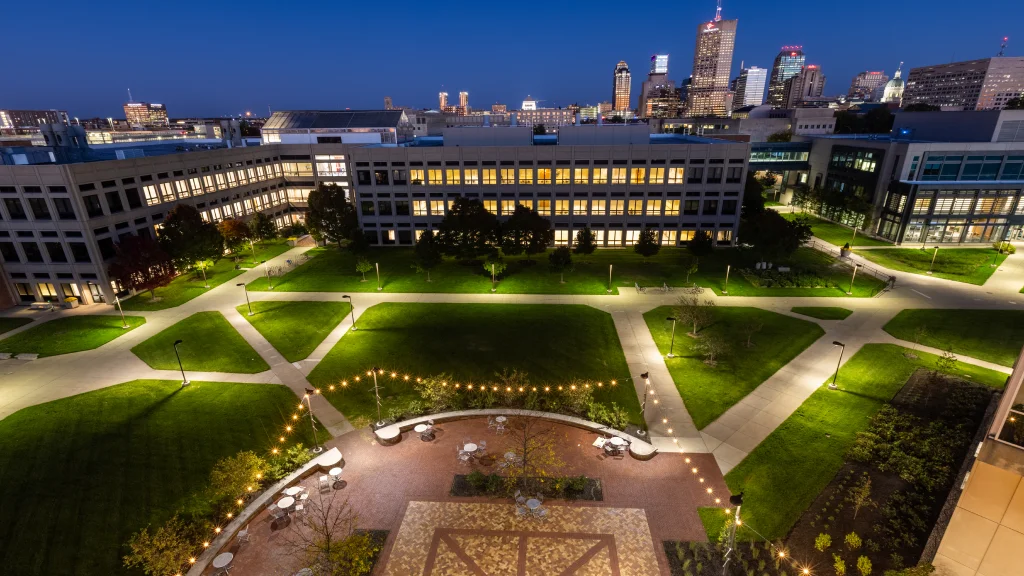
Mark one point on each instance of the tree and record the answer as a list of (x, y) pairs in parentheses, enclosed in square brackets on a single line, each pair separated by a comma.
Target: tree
[(784, 136), (921, 107), (701, 244), (947, 362), (526, 231), (712, 347), (860, 496), (261, 227), (585, 242), (468, 230), (188, 239), (692, 268), (647, 244), (234, 232), (427, 254), (536, 452), (768, 179), (168, 549), (920, 333), (363, 266), (561, 259), (753, 196), (495, 263), (331, 216), (1014, 104), (236, 475), (325, 538), (539, 130), (141, 264), (772, 236), (693, 311), (750, 328)]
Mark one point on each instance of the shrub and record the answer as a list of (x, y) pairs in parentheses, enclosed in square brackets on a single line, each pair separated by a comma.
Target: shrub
[(167, 550), (1004, 247), (839, 565), (853, 541), (864, 565), (495, 484), (355, 556), (822, 542), (477, 479), (576, 483), (286, 462), (236, 475), (438, 392)]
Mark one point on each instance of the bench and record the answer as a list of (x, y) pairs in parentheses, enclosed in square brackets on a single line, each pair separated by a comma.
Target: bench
[(639, 289), (41, 306)]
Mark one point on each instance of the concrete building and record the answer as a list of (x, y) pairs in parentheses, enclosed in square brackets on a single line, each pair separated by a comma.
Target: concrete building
[(18, 120), (529, 104), (749, 87), (864, 85), (712, 68), (498, 108), (663, 102), (657, 80), (549, 117), (757, 123), (464, 101), (387, 127), (985, 84), (144, 114), (807, 85), (620, 87), (788, 63)]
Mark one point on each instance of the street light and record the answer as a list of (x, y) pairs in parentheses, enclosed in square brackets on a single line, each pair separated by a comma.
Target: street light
[(672, 343), (247, 303), (317, 448), (933, 261), (352, 309), (852, 278), (643, 406), (376, 392), (184, 381), (493, 287), (377, 264), (118, 301), (842, 348), (609, 278), (727, 268), (270, 284), (736, 501)]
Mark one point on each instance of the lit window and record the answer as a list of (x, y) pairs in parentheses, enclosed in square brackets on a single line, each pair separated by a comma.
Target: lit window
[(724, 235), (671, 207), (242, 179), (508, 207), (636, 207), (581, 175), (491, 206), (686, 235), (618, 175), (654, 207), (599, 237), (221, 182), (616, 207), (166, 192), (637, 175), (657, 176), (668, 237), (921, 205), (434, 177), (181, 187), (416, 177), (675, 175), (615, 237), (526, 203), (419, 207), (437, 207), (600, 176), (543, 175), (562, 175), (208, 184), (526, 175), (490, 176), (598, 207), (150, 193), (561, 237), (195, 185), (452, 177), (418, 233), (561, 207), (544, 207), (632, 236), (508, 175), (232, 181), (579, 207), (330, 165)]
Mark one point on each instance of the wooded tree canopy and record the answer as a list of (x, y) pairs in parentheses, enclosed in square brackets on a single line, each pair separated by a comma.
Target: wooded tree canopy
[(331, 216), (468, 230), (188, 239)]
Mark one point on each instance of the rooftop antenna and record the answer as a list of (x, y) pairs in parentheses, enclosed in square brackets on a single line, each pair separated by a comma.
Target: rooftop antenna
[(718, 12), (130, 90), (1002, 48)]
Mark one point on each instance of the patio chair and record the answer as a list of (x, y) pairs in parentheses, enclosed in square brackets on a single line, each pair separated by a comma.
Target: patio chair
[(540, 497), (243, 535), (303, 496), (277, 513), (482, 447), (522, 511), (491, 423), (300, 509), (464, 457), (325, 484), (541, 513), (499, 428)]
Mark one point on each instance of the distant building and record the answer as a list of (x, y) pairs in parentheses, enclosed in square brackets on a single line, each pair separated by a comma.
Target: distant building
[(749, 87), (662, 102), (807, 85), (712, 67), (529, 104), (145, 114), (337, 127), (864, 85), (657, 80), (498, 108), (789, 62), (659, 64), (604, 107), (985, 84), (893, 90), (464, 101), (387, 103), (31, 119), (620, 86), (549, 117), (442, 100)]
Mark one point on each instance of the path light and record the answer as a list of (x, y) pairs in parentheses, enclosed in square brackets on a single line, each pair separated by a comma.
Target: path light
[(672, 343), (352, 309), (609, 278), (317, 448), (184, 381), (842, 348), (266, 268), (728, 267), (379, 287), (247, 303), (737, 501)]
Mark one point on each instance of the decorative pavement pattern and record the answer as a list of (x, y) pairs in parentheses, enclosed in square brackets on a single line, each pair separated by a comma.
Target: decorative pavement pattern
[(451, 539)]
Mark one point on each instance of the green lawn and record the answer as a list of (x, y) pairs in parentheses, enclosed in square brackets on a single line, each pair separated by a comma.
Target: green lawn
[(331, 270), (8, 324), (787, 471), (79, 475), (823, 312), (209, 344), (264, 251), (836, 234), (69, 334), (993, 335), (296, 328), (710, 391), (552, 343), (970, 265)]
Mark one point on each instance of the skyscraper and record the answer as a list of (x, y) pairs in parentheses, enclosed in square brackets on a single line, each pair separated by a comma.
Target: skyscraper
[(659, 64), (865, 84), (464, 101), (657, 80), (750, 87), (986, 84), (442, 98), (806, 85), (712, 65), (620, 86), (788, 63)]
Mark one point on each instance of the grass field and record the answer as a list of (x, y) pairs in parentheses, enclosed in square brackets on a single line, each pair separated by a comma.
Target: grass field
[(295, 328), (209, 344), (787, 471), (993, 335), (709, 391), (331, 270), (552, 343), (264, 251), (8, 324), (969, 265), (69, 334), (190, 284), (835, 234), (79, 475), (823, 312)]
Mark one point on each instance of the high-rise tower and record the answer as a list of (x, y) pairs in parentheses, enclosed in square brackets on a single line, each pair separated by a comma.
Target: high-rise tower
[(442, 98), (788, 63), (464, 101), (620, 86), (750, 87), (712, 66)]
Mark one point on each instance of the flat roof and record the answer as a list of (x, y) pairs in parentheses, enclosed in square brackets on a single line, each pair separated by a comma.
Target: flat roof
[(313, 119)]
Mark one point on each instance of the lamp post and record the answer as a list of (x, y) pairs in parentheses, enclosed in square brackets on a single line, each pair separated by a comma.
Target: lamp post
[(933, 260), (672, 342), (184, 381), (736, 501), (609, 278), (494, 288), (247, 303), (643, 406), (253, 248), (376, 392), (118, 301), (270, 283), (317, 448), (842, 348), (727, 268), (852, 278), (377, 265), (352, 309)]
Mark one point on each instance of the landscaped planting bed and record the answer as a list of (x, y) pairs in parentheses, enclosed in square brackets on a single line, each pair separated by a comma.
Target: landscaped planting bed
[(477, 483)]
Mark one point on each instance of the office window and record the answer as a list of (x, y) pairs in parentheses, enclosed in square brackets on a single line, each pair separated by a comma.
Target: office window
[(437, 207), (561, 237), (384, 208), (453, 177), (600, 176), (419, 207), (618, 175), (1003, 205), (616, 207), (710, 207), (526, 203), (32, 252), (435, 177), (508, 175), (166, 192), (181, 187), (544, 207), (330, 165), (696, 176), (690, 207), (723, 236), (490, 176), (598, 237), (943, 205), (544, 176), (508, 207), (380, 178), (222, 183), (654, 207), (675, 175), (561, 207), (728, 207), (632, 236), (242, 177), (637, 175), (686, 235), (79, 252), (635, 207), (9, 253), (92, 206), (656, 176), (668, 237), (579, 207), (64, 209), (40, 211), (197, 186), (734, 174), (615, 237), (416, 177), (491, 206), (714, 175), (208, 185), (562, 175), (56, 252), (16, 209), (368, 208), (526, 175), (671, 207), (921, 205), (598, 207), (472, 177), (399, 177), (581, 175)]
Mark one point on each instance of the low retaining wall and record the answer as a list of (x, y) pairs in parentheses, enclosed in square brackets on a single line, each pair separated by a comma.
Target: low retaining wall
[(392, 434)]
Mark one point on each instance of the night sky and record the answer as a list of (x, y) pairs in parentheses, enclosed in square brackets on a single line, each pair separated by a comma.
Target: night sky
[(222, 57)]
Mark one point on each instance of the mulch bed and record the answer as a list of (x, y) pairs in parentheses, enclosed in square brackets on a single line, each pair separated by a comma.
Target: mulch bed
[(592, 490)]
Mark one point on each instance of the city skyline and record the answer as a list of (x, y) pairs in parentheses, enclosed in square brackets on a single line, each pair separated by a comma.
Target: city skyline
[(523, 68)]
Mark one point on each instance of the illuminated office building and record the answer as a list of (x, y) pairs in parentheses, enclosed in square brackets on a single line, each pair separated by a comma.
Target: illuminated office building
[(712, 67), (750, 87), (145, 114), (464, 101), (986, 84), (807, 85), (789, 62), (866, 84), (620, 86)]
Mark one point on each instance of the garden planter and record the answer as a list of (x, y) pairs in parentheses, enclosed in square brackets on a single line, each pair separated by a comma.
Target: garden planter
[(71, 303), (844, 252)]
